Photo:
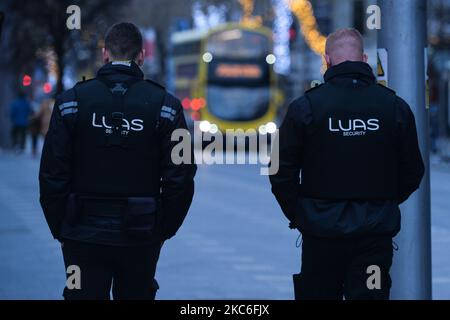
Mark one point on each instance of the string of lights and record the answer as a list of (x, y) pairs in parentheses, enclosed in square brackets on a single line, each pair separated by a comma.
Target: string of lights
[(304, 12), (247, 18), (281, 25)]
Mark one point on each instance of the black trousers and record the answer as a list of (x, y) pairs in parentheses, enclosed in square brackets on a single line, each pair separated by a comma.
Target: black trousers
[(130, 271), (336, 268)]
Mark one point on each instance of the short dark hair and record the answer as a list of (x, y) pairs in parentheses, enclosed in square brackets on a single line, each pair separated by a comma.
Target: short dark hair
[(124, 41)]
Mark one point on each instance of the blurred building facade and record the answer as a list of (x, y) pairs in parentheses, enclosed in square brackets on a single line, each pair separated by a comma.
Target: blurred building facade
[(305, 64)]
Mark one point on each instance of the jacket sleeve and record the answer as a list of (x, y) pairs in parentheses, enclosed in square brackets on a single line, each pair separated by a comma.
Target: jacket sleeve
[(411, 166), (177, 180), (55, 169), (286, 182)]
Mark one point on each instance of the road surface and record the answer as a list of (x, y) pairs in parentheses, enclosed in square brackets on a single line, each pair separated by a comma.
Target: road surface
[(235, 243)]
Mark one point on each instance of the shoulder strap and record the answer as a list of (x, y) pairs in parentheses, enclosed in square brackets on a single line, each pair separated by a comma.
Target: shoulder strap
[(117, 136)]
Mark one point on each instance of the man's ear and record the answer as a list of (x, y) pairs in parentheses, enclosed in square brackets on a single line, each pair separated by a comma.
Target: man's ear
[(327, 60), (106, 56), (365, 58), (140, 58)]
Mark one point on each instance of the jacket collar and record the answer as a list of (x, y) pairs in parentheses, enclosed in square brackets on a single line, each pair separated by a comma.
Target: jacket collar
[(127, 68), (350, 69)]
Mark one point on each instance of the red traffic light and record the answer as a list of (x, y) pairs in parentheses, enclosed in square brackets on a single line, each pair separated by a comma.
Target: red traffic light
[(47, 88), (186, 103), (292, 34), (26, 81)]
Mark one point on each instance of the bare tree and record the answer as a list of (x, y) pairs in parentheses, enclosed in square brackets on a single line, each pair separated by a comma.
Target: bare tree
[(160, 15), (42, 25)]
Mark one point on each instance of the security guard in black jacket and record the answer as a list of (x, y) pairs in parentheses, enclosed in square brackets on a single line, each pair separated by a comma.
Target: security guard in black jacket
[(349, 156), (109, 190)]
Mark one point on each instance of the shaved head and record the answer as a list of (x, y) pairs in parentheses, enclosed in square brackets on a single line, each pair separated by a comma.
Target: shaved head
[(344, 45)]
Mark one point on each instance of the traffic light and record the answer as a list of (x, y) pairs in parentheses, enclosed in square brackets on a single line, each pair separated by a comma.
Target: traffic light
[(293, 32), (26, 80), (47, 88)]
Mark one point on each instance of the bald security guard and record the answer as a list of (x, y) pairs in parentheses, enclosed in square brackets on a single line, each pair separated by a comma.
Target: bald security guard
[(348, 157)]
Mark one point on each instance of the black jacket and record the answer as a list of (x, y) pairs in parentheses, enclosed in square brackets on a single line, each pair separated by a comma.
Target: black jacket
[(326, 218), (56, 170)]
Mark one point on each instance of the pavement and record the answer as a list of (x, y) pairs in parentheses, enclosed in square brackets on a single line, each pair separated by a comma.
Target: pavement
[(234, 244)]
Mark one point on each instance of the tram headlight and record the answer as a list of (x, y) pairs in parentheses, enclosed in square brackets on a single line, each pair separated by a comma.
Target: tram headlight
[(207, 57), (213, 129), (271, 127), (204, 126), (271, 59), (267, 128), (262, 129)]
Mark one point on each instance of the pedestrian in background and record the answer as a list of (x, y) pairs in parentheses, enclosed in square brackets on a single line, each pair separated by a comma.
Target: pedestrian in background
[(349, 155), (34, 128), (20, 112), (45, 114), (40, 122)]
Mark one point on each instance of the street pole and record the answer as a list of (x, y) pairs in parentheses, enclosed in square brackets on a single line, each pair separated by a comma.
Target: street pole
[(403, 34)]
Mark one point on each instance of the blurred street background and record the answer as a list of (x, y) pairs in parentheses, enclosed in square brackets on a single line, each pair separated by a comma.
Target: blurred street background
[(235, 243)]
